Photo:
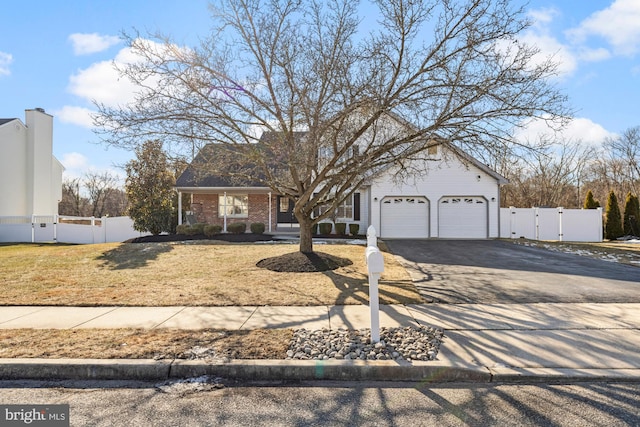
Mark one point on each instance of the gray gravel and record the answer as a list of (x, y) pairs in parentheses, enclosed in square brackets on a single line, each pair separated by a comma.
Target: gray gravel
[(409, 343)]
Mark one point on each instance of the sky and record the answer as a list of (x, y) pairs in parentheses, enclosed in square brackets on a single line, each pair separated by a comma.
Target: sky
[(58, 56)]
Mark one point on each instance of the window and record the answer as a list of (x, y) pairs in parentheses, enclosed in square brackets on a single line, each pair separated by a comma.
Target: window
[(345, 209), (284, 204), (349, 209), (236, 206)]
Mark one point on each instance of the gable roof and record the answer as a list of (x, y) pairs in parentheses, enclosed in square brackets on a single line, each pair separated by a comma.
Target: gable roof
[(197, 176), (3, 121)]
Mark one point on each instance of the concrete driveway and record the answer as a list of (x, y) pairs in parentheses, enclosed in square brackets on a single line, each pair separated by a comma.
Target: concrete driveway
[(495, 271)]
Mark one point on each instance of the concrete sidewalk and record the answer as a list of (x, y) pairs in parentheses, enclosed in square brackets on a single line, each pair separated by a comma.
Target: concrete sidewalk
[(494, 342)]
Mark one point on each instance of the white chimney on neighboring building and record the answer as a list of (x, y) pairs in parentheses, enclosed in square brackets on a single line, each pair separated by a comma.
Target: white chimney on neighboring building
[(39, 162)]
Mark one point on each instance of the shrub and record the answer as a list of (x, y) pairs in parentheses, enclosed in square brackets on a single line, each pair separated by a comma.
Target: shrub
[(212, 230), (590, 202), (257, 228), (325, 227), (613, 225), (237, 227), (341, 228), (354, 229), (631, 216), (182, 229), (198, 228)]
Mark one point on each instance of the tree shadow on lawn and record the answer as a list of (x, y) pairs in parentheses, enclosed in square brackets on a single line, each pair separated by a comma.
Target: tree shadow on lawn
[(357, 290), (130, 256), (352, 289)]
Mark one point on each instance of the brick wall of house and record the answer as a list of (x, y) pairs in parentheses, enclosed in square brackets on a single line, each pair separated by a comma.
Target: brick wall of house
[(205, 208)]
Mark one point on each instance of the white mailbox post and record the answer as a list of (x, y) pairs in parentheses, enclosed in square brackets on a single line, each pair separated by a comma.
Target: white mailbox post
[(375, 266)]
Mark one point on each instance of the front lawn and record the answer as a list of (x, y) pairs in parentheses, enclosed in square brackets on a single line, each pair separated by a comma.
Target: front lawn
[(196, 273)]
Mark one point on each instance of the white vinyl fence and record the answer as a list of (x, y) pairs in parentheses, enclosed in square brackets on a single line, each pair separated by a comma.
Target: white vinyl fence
[(569, 225), (66, 229)]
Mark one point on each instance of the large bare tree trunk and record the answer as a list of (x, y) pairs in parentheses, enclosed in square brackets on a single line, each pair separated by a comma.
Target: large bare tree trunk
[(306, 241)]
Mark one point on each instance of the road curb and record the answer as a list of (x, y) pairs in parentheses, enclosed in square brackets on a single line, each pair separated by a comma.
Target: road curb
[(84, 369), (298, 370), (561, 375), (336, 370), (257, 370)]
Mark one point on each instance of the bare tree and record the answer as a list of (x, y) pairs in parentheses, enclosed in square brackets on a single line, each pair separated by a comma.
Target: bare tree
[(552, 175), (367, 98), (72, 203), (115, 203), (606, 173), (626, 149), (99, 186)]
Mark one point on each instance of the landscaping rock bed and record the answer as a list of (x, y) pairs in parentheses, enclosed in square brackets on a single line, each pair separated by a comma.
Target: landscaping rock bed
[(409, 343)]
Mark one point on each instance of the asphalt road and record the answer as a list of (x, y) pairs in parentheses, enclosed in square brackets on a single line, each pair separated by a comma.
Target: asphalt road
[(494, 271), (337, 404)]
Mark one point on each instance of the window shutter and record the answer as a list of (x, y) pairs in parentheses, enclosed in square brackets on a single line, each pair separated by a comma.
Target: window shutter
[(356, 206)]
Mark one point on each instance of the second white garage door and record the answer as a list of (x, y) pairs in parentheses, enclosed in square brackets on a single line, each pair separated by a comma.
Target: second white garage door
[(404, 217), (462, 217)]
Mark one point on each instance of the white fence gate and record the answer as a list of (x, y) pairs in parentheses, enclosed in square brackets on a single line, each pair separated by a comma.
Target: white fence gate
[(66, 229), (571, 225)]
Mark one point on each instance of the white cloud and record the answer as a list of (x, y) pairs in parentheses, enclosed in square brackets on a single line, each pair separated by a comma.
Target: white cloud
[(74, 161), (543, 17), (75, 115), (5, 60), (578, 129), (539, 35), (619, 25), (77, 166), (593, 55), (84, 44), (101, 81), (550, 47)]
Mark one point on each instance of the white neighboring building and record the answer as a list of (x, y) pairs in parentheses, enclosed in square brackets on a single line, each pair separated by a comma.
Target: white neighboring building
[(30, 176)]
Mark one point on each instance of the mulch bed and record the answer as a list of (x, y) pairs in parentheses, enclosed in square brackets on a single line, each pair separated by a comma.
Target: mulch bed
[(303, 262), (227, 237)]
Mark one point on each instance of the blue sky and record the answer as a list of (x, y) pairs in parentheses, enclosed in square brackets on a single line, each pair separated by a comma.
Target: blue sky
[(57, 56)]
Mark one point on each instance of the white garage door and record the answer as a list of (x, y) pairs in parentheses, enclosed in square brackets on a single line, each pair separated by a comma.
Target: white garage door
[(462, 217), (403, 216)]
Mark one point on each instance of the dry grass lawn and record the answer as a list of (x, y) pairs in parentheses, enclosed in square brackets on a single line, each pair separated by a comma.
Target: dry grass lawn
[(143, 344), (198, 273)]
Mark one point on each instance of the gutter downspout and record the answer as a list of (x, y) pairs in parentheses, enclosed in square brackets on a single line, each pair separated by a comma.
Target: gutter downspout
[(224, 228), (179, 207), (269, 211)]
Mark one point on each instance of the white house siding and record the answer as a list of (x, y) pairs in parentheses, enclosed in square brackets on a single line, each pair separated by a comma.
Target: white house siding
[(30, 176), (364, 210), (445, 179), (13, 161), (40, 162)]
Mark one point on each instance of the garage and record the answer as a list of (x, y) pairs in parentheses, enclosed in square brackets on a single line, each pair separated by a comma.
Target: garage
[(404, 217), (462, 217)]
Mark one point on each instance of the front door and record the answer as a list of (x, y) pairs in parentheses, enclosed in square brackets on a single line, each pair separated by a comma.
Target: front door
[(285, 211)]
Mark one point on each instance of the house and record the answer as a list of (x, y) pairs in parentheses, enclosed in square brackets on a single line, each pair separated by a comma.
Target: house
[(457, 197), (30, 176)]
